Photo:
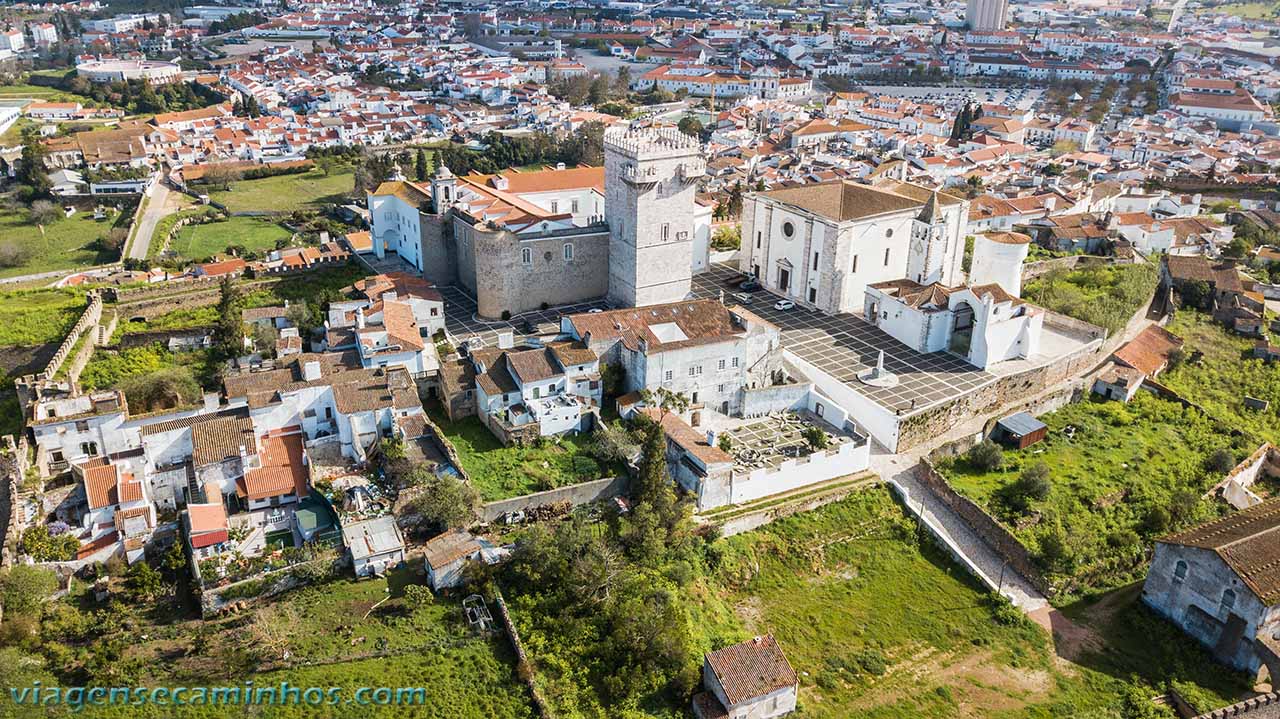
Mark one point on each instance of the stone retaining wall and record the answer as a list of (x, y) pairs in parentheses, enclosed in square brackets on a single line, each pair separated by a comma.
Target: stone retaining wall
[(14, 460), (574, 494), (984, 526), (523, 668), (1032, 270), (88, 321)]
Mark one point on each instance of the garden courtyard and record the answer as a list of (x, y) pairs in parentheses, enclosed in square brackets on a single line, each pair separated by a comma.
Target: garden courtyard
[(499, 472)]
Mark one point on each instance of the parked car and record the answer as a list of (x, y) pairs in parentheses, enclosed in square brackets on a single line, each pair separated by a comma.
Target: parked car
[(751, 285), (783, 305), (743, 297)]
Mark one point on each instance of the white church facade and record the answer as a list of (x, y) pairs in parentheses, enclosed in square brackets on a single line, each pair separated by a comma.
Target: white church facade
[(822, 245)]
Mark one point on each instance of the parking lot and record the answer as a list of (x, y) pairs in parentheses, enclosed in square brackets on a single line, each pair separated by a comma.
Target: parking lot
[(462, 324), (844, 346)]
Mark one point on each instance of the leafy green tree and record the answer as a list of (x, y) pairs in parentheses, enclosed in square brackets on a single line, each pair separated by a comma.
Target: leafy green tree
[(420, 166), (46, 547), (143, 581), (23, 589), (31, 172), (690, 125), (444, 503), (230, 327)]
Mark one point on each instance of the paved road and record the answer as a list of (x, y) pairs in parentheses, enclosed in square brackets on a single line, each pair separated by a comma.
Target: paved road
[(159, 204)]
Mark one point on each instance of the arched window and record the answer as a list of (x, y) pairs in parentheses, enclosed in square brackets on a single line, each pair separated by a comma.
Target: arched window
[(1228, 600), (568, 252), (526, 255), (1180, 571)]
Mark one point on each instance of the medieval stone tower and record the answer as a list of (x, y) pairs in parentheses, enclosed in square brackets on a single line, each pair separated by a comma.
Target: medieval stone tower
[(650, 176)]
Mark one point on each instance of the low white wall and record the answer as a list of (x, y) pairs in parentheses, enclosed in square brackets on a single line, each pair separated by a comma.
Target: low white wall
[(878, 421), (848, 458)]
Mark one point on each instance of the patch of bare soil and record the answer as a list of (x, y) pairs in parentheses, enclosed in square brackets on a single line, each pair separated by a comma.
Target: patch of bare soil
[(980, 684)]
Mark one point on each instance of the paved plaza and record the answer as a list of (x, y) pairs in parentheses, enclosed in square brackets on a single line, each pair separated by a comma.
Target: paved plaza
[(844, 345)]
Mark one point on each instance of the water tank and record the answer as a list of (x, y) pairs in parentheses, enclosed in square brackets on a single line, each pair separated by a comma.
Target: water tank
[(997, 258)]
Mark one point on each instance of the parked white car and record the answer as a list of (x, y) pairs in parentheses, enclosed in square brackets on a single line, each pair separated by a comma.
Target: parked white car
[(783, 305)]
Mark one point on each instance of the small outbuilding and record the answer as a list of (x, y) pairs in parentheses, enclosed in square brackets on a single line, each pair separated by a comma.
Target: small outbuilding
[(749, 679), (448, 553), (375, 545), (1019, 430)]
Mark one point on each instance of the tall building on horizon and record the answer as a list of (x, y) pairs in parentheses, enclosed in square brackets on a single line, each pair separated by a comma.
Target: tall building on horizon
[(986, 14)]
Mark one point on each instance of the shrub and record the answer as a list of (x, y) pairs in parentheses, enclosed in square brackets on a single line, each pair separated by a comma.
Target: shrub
[(985, 456), (1031, 486), (1220, 462), (871, 661), (418, 595)]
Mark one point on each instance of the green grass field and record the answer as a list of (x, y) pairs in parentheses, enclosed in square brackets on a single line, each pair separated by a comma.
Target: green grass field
[(1119, 475), (499, 472), (1224, 375), (198, 241), (36, 317), (845, 585), (286, 193), (1246, 10), (65, 244)]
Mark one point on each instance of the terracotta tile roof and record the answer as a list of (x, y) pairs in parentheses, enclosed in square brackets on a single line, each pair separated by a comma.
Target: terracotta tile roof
[(100, 485), (533, 365), (1149, 351), (219, 439), (700, 321), (401, 326), (572, 353), (1248, 541), (543, 180), (496, 379), (688, 438), (447, 548), (282, 471), (413, 194), (402, 283), (843, 200), (752, 669)]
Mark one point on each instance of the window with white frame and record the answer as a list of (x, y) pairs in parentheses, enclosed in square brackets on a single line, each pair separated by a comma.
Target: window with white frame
[(526, 255), (568, 252)]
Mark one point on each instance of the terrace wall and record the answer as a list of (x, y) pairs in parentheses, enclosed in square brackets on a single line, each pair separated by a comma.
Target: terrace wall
[(991, 532), (574, 494)]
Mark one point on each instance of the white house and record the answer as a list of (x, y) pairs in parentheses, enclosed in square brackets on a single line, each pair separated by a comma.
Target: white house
[(448, 553), (548, 390), (375, 545)]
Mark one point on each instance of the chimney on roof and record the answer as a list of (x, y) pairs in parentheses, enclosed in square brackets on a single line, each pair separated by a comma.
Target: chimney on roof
[(500, 182), (506, 340), (311, 371)]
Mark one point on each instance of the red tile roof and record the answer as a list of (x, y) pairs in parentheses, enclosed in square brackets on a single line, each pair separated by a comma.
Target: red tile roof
[(752, 669)]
